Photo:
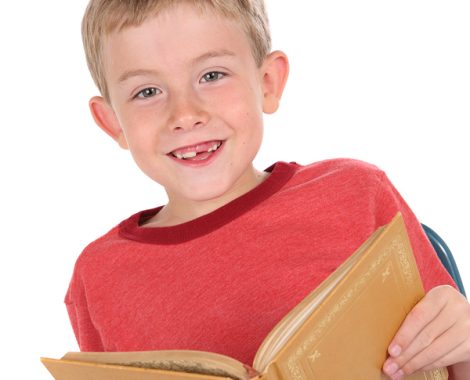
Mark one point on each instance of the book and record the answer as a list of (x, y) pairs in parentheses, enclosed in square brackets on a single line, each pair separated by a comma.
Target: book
[(341, 330)]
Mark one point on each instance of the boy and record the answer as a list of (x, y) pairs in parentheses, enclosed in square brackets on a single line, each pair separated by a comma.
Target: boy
[(184, 85)]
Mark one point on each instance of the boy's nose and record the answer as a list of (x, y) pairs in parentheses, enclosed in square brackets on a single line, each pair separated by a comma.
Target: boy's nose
[(187, 113)]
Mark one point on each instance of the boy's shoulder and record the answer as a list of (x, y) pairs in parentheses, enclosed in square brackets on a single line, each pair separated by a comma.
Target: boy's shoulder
[(342, 165), (339, 169), (104, 244)]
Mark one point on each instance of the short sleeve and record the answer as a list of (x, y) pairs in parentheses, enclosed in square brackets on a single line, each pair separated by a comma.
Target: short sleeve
[(86, 334), (388, 203)]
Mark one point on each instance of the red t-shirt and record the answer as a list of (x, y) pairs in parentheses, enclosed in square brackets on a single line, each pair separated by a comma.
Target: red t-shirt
[(221, 282)]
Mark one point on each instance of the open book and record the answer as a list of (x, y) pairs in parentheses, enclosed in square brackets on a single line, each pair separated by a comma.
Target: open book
[(339, 331)]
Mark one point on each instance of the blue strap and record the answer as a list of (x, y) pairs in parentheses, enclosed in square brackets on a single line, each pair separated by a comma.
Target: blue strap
[(445, 255)]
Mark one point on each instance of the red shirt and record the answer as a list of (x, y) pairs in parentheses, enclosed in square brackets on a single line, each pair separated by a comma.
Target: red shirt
[(221, 282)]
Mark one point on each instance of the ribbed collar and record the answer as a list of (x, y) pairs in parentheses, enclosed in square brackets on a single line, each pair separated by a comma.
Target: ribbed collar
[(132, 228)]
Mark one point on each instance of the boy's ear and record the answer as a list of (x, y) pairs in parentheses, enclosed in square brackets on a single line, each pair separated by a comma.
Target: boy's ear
[(106, 119), (275, 72)]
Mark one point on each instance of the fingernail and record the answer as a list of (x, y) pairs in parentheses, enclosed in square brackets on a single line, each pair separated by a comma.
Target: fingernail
[(395, 350), (390, 368)]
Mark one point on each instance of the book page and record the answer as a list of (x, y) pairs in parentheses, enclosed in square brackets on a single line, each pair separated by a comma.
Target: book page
[(199, 362), (62, 369)]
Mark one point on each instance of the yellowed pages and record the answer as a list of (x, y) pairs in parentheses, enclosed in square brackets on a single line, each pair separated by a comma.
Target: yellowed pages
[(161, 364), (74, 370), (175, 360)]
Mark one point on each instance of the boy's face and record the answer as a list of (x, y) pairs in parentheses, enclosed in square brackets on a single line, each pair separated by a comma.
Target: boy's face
[(187, 99)]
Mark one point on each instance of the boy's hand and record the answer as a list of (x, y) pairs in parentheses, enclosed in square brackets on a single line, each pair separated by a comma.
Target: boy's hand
[(436, 333)]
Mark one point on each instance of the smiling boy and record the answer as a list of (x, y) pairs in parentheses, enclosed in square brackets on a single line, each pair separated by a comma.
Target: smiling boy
[(192, 115), (184, 87)]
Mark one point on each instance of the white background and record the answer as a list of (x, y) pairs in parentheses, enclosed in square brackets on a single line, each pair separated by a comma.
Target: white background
[(384, 81)]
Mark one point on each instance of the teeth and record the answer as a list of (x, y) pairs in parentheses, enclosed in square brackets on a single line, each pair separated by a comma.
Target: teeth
[(182, 156), (214, 147), (185, 155)]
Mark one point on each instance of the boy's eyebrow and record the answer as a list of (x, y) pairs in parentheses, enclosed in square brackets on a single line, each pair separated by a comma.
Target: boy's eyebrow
[(213, 54), (141, 72), (135, 73)]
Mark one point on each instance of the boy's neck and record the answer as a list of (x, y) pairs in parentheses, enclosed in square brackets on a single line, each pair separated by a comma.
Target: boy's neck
[(179, 211)]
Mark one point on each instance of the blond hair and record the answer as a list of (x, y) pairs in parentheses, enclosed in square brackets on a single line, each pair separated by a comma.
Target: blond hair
[(103, 17)]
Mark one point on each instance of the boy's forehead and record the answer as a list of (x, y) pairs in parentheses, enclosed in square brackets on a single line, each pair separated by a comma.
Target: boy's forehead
[(174, 39), (178, 32), (179, 14)]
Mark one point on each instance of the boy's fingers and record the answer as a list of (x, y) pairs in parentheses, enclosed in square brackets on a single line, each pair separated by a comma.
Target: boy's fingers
[(433, 335), (450, 347), (416, 320), (440, 353), (412, 360), (419, 357)]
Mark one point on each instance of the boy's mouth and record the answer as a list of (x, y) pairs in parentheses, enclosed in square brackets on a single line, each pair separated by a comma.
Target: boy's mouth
[(197, 152)]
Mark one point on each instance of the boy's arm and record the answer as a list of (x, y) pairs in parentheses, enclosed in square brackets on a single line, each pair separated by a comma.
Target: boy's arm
[(435, 333)]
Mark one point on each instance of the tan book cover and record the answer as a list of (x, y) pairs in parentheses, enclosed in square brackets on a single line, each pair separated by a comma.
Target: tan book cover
[(339, 331)]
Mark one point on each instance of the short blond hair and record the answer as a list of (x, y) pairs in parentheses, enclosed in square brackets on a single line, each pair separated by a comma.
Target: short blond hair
[(103, 17)]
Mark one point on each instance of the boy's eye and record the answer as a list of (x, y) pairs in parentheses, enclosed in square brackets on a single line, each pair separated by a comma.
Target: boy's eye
[(148, 92), (212, 76)]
